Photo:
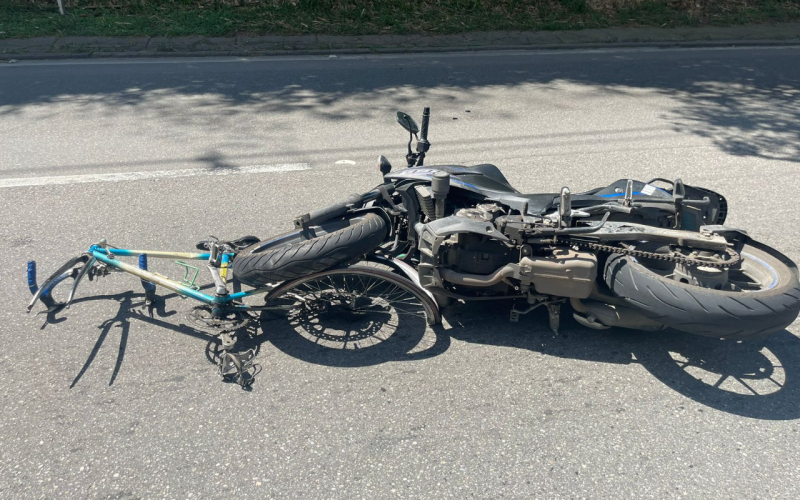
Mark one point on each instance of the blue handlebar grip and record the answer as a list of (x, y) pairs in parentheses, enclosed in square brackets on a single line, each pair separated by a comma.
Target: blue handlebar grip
[(148, 287), (32, 286)]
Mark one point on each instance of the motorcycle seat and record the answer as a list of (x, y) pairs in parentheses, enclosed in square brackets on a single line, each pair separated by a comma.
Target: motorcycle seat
[(540, 203), (492, 172)]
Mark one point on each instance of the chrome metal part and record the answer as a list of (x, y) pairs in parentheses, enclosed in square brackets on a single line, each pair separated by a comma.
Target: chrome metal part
[(628, 201), (205, 319), (565, 208)]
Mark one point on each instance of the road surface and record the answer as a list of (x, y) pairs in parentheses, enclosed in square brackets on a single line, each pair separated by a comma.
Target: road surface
[(106, 401)]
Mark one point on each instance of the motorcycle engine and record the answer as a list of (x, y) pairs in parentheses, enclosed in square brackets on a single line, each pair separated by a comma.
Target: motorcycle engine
[(482, 213), (471, 253)]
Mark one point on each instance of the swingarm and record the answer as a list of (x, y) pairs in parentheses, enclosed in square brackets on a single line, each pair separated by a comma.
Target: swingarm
[(626, 232)]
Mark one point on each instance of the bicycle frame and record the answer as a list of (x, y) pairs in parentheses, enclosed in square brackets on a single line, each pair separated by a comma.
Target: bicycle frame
[(109, 256)]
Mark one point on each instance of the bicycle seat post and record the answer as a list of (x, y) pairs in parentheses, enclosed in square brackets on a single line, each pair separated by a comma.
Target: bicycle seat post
[(216, 259)]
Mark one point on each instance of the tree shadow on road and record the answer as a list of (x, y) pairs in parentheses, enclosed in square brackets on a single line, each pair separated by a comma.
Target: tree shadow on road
[(741, 118), (755, 379), (746, 106)]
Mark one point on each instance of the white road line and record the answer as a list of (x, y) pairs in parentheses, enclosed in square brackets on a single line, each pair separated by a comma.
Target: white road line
[(154, 174)]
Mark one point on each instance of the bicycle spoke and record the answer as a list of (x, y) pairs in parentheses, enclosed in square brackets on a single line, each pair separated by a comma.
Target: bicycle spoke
[(341, 309)]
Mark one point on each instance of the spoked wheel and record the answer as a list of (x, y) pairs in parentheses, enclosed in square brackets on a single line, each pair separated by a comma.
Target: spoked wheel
[(756, 296), (353, 307)]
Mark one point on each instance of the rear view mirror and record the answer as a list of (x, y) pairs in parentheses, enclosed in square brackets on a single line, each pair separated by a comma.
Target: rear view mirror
[(407, 122)]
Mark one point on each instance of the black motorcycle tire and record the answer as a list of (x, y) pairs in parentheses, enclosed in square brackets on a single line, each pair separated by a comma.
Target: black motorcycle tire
[(301, 258), (705, 311)]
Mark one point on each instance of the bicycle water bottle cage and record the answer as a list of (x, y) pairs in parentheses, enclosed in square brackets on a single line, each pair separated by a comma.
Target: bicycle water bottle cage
[(188, 280)]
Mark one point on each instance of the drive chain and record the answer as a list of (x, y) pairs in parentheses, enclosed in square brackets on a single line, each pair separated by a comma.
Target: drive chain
[(733, 256)]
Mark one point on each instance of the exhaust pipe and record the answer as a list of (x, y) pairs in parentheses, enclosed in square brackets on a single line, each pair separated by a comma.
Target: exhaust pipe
[(477, 279), (601, 316)]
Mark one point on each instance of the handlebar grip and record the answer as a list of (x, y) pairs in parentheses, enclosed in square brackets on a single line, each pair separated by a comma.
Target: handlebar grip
[(426, 118), (32, 284), (330, 212)]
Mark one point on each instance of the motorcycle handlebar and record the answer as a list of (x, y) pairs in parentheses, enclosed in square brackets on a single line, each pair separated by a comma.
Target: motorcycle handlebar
[(426, 118), (336, 210), (330, 212)]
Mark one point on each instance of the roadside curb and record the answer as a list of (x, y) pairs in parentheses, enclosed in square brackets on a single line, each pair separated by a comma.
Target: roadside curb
[(617, 38), (394, 50)]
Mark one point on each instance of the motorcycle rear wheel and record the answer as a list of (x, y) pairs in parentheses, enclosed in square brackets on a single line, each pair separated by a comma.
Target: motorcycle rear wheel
[(761, 298)]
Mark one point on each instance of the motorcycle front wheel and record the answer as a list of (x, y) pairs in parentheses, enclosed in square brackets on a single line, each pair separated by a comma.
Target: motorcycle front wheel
[(353, 307), (297, 254), (757, 297)]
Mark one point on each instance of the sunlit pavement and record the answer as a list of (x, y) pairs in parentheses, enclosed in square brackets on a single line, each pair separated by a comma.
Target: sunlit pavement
[(106, 401)]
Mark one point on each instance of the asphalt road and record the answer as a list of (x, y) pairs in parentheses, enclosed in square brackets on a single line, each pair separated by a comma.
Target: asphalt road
[(105, 401)]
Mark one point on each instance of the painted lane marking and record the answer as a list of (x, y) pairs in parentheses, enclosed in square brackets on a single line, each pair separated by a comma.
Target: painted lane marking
[(154, 174)]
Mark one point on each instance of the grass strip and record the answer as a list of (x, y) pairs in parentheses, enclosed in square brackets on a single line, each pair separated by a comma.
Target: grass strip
[(30, 18)]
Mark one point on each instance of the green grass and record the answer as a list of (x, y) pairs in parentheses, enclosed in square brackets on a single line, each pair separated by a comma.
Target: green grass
[(29, 18)]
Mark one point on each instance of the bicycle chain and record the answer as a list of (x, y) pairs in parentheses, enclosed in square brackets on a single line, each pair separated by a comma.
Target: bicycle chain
[(734, 257)]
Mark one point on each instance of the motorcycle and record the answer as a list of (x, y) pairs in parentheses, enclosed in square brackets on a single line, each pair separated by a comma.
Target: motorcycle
[(641, 255)]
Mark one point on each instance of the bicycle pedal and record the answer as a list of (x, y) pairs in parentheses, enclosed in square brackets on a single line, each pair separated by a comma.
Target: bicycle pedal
[(239, 367)]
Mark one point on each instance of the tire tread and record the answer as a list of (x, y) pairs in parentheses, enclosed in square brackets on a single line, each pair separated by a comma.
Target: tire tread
[(708, 312), (297, 259)]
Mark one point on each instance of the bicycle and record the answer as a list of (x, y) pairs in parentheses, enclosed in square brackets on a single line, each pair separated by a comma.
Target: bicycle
[(354, 288)]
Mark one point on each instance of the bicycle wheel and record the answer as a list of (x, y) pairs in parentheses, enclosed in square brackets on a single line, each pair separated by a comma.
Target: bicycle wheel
[(353, 307)]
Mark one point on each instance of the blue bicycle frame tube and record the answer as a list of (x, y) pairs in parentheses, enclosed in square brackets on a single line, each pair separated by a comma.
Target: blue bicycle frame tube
[(248, 293), (153, 278), (102, 254), (122, 252)]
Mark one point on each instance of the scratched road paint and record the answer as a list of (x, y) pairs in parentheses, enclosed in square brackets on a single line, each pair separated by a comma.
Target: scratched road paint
[(155, 174)]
